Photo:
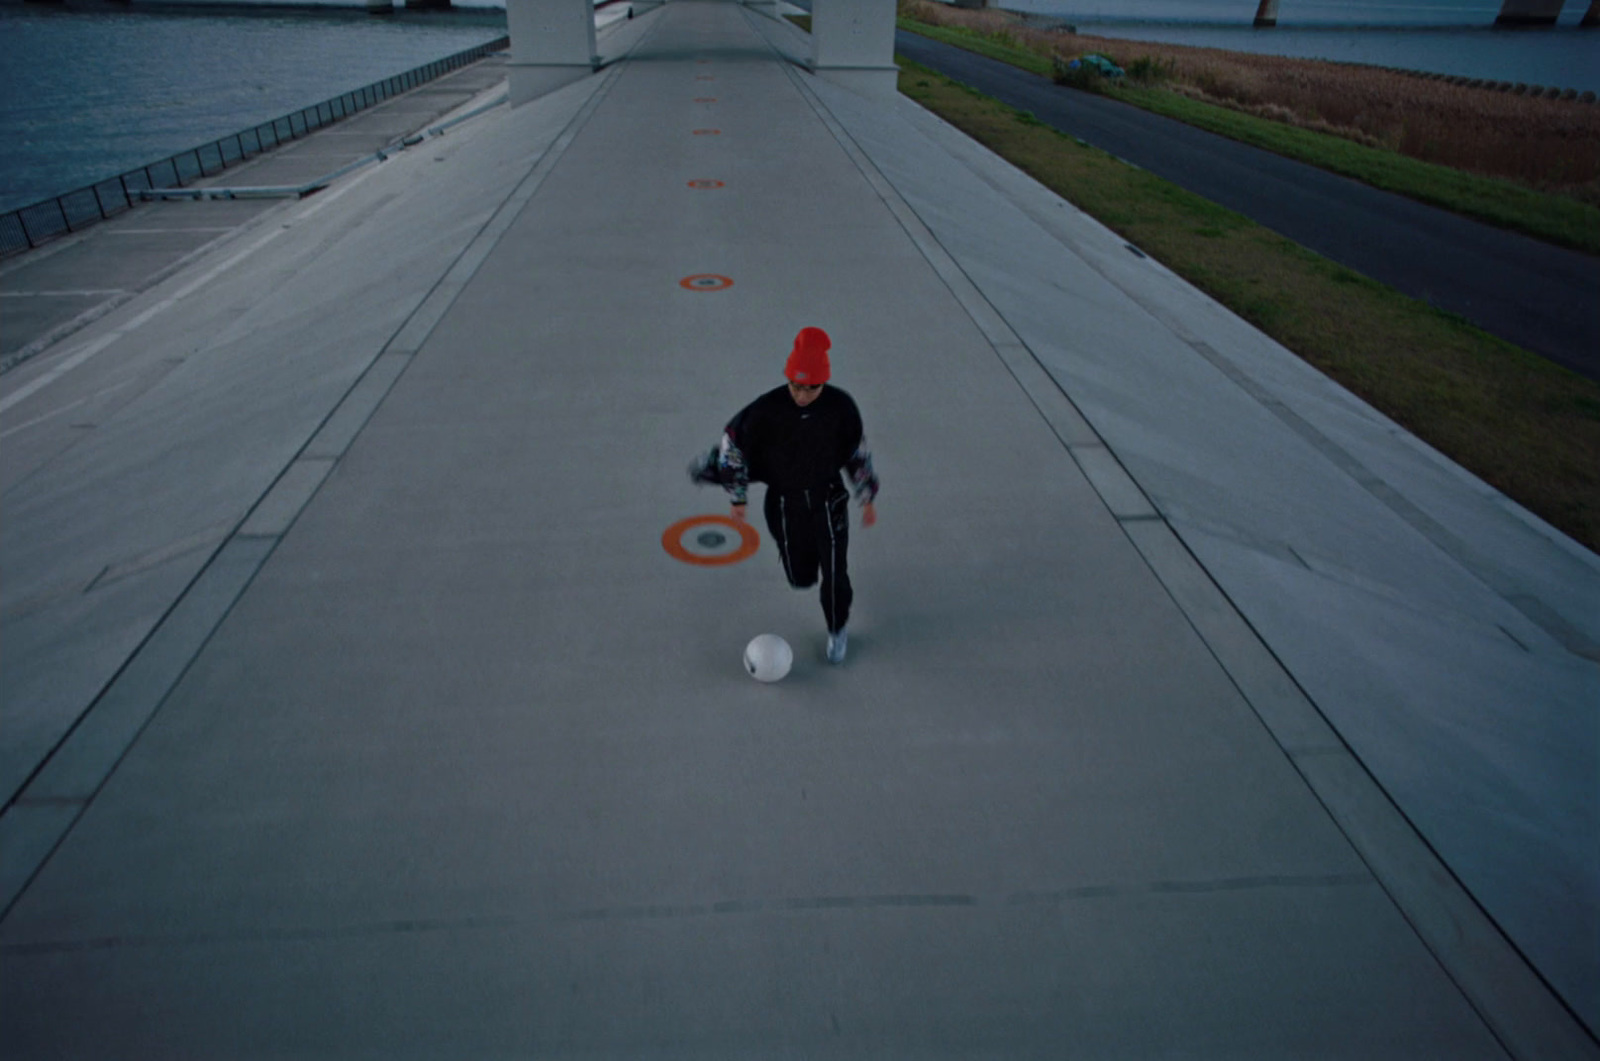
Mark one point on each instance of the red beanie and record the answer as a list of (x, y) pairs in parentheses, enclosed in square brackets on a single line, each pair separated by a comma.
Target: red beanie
[(808, 361)]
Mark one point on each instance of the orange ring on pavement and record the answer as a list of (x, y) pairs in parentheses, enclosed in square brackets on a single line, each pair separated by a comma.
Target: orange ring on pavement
[(706, 282), (672, 541)]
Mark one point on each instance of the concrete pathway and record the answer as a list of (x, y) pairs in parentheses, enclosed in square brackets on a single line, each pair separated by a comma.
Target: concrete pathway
[(409, 738)]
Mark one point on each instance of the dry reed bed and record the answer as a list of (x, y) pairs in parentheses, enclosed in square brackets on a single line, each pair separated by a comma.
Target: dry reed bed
[(1549, 144)]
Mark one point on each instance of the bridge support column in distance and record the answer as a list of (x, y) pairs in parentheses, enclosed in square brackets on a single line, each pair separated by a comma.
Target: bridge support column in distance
[(552, 45), (852, 44), (1529, 13), (1267, 14)]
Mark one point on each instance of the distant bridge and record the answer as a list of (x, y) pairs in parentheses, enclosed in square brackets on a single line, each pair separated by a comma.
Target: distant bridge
[(852, 41), (1512, 13)]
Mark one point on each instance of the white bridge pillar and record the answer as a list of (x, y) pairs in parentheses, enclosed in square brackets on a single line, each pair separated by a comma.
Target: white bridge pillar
[(852, 44), (1529, 13), (552, 45)]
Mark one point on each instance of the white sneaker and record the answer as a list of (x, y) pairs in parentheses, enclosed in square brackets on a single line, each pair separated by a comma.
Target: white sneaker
[(837, 643)]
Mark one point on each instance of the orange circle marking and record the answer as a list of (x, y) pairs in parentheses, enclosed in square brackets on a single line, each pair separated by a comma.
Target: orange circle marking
[(707, 132), (705, 282), (672, 540), (705, 99), (705, 184)]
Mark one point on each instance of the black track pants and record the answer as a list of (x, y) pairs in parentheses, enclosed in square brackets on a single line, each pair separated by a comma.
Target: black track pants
[(812, 531)]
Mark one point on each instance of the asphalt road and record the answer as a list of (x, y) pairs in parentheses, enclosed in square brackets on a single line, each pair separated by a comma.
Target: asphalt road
[(1533, 294)]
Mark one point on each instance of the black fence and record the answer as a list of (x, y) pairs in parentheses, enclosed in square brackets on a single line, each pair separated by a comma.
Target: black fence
[(33, 225)]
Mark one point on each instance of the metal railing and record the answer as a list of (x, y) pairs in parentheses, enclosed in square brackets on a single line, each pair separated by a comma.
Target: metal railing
[(49, 218)]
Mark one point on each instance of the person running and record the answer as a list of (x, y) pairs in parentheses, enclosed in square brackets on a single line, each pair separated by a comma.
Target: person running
[(797, 439)]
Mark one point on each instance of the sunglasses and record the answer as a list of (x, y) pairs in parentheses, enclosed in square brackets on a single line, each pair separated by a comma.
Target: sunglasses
[(805, 386)]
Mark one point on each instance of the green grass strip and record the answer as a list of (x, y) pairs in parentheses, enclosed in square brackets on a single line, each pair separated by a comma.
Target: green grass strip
[(1553, 218), (1523, 424)]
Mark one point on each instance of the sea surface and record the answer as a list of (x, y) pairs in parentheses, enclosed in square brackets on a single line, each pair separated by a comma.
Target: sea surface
[(88, 94), (1438, 36)]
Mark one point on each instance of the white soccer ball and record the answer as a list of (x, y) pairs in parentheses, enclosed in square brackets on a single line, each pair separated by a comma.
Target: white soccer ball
[(768, 657)]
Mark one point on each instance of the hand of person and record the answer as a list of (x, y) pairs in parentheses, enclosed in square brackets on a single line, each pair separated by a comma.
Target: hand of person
[(869, 515), (738, 513)]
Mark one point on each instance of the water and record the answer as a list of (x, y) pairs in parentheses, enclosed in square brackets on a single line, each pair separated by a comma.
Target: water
[(1439, 36), (1345, 13), (85, 95)]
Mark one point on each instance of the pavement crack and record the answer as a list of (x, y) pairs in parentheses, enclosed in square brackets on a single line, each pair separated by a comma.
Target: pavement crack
[(285, 935), (678, 911), (1189, 887)]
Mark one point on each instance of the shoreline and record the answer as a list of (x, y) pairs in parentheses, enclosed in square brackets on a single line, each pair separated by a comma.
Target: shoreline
[(1467, 51), (488, 15), (1492, 129)]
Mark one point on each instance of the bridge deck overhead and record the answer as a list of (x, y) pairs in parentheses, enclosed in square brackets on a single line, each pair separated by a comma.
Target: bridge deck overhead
[(407, 738), (851, 42)]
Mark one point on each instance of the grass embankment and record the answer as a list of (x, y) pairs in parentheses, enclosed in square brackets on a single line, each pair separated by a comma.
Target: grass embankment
[(1531, 165), (1523, 424)]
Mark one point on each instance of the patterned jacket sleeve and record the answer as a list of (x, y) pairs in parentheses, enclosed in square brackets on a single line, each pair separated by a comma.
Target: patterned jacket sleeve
[(859, 468), (731, 467)]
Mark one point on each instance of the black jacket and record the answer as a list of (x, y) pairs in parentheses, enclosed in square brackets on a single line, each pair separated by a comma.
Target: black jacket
[(774, 441)]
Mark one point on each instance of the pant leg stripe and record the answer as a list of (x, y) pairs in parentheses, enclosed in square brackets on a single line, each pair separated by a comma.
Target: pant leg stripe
[(783, 548), (833, 570)]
